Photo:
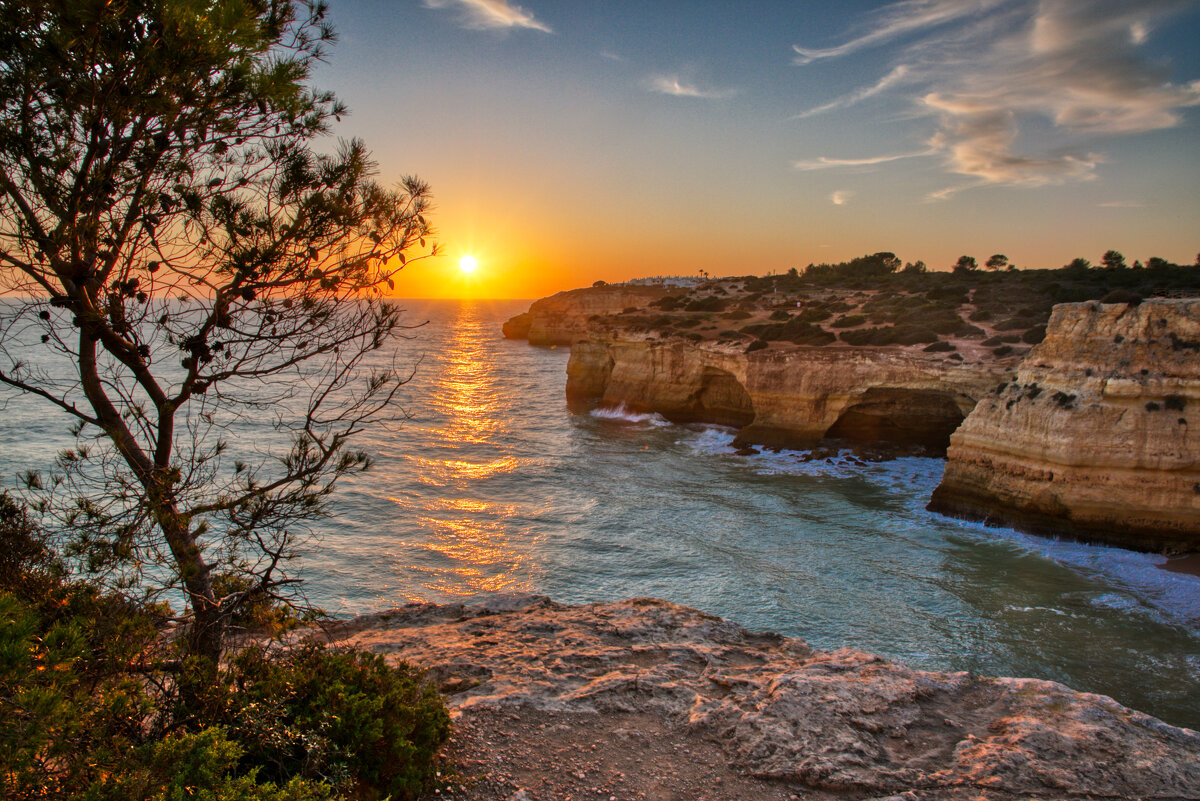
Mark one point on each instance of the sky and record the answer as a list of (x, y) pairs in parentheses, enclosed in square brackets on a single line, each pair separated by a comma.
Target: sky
[(569, 141)]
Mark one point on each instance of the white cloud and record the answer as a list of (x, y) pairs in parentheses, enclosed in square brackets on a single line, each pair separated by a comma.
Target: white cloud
[(898, 19), (484, 14), (893, 78), (992, 73), (841, 197), (676, 87), (826, 163)]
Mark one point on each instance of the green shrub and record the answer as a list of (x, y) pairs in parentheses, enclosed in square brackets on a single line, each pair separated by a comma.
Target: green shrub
[(980, 316), (940, 346), (709, 304), (814, 314), (738, 314), (757, 344), (849, 321), (1034, 335), (341, 715), (780, 314)]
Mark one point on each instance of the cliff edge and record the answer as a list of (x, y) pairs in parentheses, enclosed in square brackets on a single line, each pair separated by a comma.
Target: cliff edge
[(547, 680), (1097, 438)]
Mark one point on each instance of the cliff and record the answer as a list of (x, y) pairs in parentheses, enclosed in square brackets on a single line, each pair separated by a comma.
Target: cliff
[(785, 398), (548, 680), (1094, 438), (563, 318)]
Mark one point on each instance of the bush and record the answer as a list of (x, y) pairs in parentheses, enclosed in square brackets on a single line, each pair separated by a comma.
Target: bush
[(709, 304), (814, 314), (1034, 335), (1122, 296), (849, 321), (739, 314), (757, 344), (341, 715), (779, 314), (980, 316), (939, 347)]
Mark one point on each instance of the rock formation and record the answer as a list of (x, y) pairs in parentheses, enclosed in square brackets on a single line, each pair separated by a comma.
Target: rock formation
[(789, 398), (1095, 437), (841, 722), (562, 319)]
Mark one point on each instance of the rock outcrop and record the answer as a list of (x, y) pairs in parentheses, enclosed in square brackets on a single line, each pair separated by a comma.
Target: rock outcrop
[(841, 722), (791, 398), (563, 318), (1099, 435)]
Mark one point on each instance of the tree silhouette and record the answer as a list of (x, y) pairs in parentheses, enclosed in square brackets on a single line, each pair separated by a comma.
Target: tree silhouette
[(1113, 260), (186, 262), (997, 261)]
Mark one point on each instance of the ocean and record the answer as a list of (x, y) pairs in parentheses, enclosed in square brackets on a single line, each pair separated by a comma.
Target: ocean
[(493, 485)]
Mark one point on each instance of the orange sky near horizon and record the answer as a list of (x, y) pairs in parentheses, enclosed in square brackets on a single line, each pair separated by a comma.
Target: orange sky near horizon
[(570, 143)]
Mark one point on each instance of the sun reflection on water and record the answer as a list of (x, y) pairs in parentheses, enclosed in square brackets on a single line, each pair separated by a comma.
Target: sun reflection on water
[(464, 548)]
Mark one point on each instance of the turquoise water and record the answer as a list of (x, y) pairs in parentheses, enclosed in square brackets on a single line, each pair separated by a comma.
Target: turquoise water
[(493, 485)]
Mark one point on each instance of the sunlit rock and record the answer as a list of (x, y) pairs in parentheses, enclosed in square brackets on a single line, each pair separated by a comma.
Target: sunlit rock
[(834, 720), (1098, 436)]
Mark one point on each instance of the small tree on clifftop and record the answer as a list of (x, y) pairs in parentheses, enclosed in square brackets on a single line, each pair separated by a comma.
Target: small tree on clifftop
[(177, 243)]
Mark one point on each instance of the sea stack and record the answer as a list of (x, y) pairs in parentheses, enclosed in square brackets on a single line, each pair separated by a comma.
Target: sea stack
[(1098, 437)]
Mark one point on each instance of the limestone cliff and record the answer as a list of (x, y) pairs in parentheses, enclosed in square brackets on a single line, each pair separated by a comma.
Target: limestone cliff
[(1094, 438), (785, 398), (563, 318), (824, 724)]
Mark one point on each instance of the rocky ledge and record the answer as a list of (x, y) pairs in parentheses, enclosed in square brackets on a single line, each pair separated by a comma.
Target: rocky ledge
[(1093, 438), (826, 724)]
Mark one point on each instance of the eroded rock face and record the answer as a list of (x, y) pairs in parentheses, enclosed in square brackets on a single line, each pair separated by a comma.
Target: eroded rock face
[(562, 319), (1099, 435), (786, 399), (840, 720)]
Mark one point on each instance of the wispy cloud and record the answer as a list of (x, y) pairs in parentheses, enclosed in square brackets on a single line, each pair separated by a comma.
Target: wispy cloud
[(485, 14), (826, 163), (677, 87), (841, 197), (893, 78), (899, 19), (986, 73)]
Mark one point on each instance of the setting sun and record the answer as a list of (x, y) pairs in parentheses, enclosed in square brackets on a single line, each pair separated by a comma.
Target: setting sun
[(468, 264)]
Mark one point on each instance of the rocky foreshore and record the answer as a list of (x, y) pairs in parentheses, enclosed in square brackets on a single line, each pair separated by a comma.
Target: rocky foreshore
[(570, 694)]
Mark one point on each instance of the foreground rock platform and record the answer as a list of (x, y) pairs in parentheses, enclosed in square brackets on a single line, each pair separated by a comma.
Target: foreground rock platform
[(808, 723)]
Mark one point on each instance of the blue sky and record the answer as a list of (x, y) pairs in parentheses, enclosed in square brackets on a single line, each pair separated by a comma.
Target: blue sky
[(571, 141)]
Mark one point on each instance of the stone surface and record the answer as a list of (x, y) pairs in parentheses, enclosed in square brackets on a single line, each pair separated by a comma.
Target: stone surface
[(1099, 435), (830, 724), (785, 398)]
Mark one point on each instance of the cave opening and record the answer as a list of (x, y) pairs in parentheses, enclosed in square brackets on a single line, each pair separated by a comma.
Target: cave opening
[(911, 417), (722, 399)]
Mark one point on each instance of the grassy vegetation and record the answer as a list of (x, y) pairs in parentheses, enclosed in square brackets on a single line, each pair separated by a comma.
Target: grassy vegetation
[(92, 692), (874, 301)]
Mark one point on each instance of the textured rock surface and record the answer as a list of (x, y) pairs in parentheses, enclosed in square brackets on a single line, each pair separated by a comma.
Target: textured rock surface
[(1098, 437), (840, 722), (563, 318), (789, 398)]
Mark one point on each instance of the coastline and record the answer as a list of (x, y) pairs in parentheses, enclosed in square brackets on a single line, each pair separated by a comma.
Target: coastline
[(650, 700)]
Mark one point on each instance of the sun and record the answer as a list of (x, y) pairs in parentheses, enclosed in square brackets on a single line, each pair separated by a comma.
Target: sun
[(468, 264)]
